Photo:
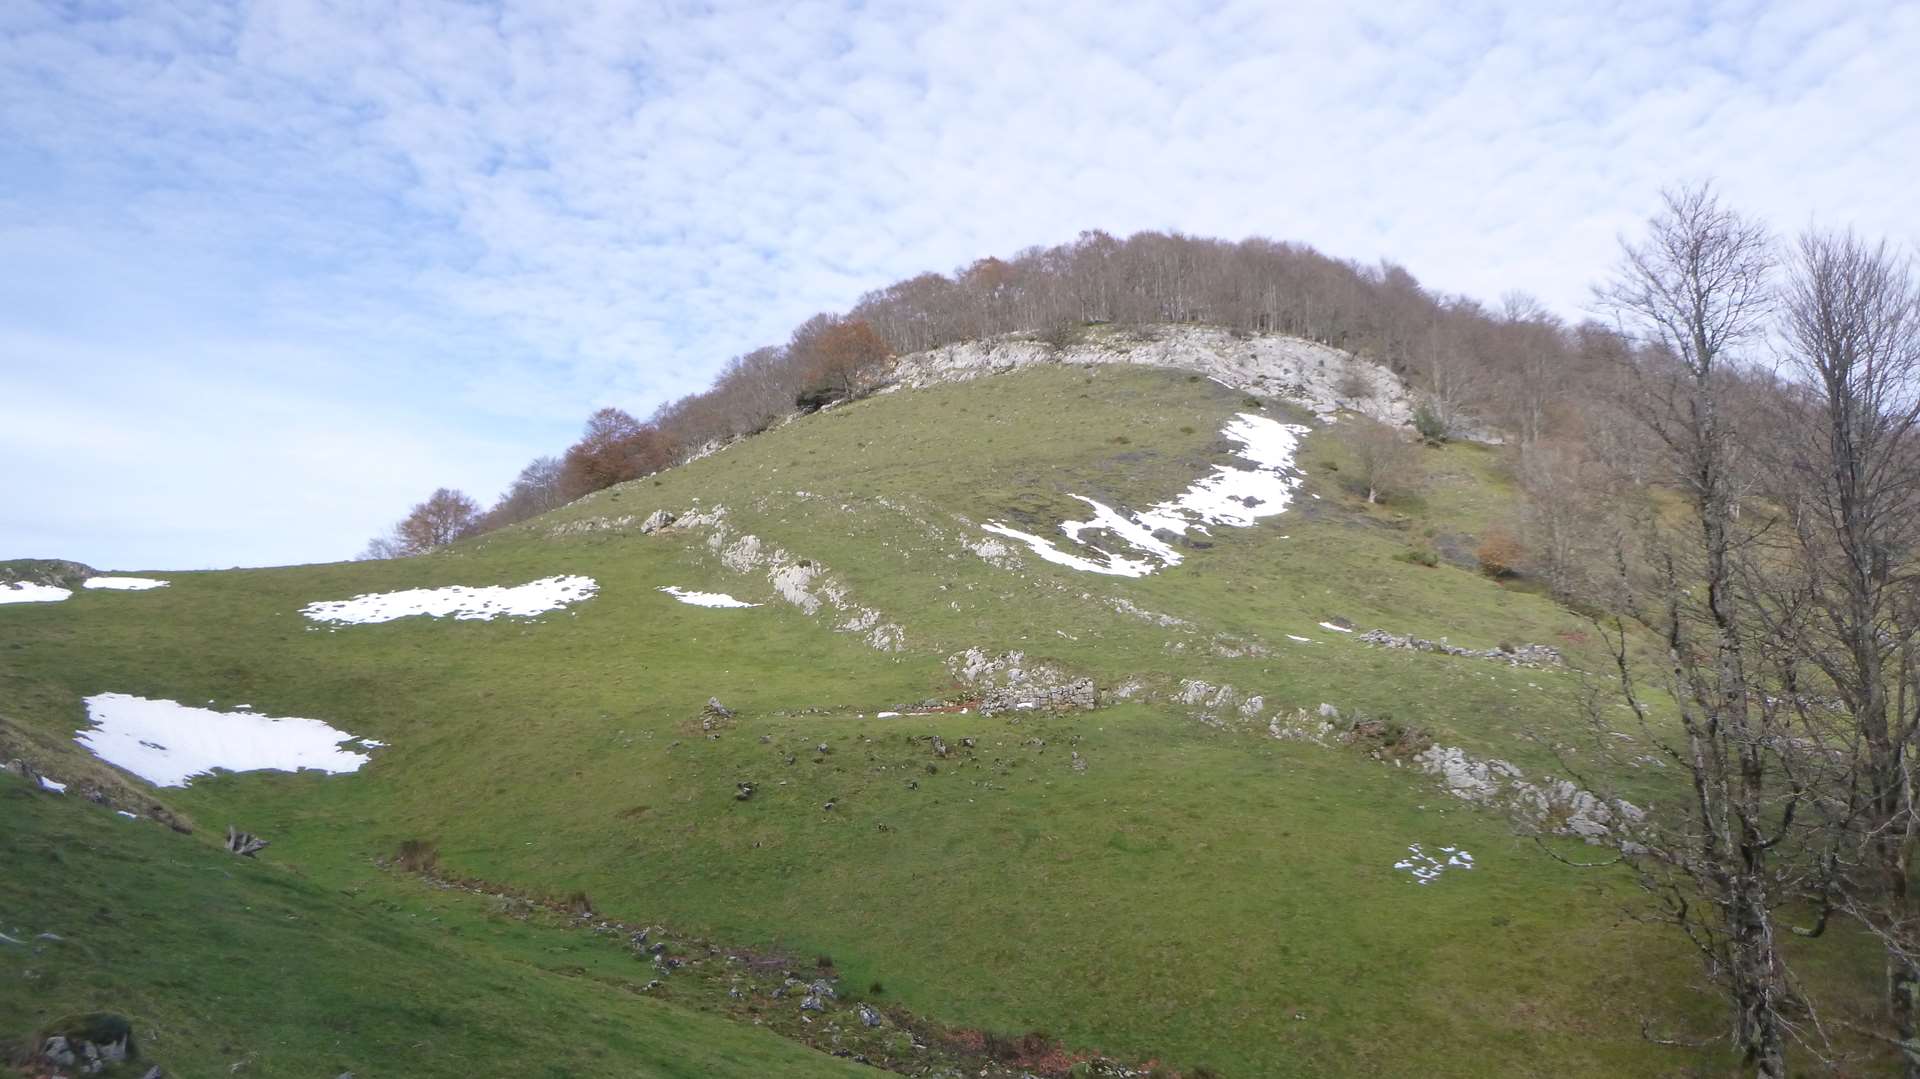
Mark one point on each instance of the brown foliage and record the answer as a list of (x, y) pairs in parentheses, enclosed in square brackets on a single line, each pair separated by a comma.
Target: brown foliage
[(840, 355), (615, 448), (1499, 553)]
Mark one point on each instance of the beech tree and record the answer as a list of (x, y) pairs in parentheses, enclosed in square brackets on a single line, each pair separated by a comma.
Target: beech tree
[(1384, 461), (1844, 586), (445, 516), (614, 448), (839, 354), (1697, 288)]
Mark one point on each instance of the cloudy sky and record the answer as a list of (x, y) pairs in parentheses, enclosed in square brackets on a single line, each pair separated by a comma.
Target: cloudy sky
[(271, 272)]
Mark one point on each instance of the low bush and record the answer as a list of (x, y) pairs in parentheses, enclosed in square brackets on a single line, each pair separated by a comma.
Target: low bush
[(1499, 553)]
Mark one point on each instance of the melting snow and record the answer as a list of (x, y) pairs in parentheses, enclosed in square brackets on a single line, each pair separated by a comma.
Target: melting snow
[(1229, 496), (167, 743), (53, 785), (1302, 640), (1336, 629), (458, 601), (1426, 868), (705, 599), (28, 592), (124, 584)]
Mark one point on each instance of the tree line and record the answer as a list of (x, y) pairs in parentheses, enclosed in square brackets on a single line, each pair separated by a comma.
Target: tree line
[(1475, 365)]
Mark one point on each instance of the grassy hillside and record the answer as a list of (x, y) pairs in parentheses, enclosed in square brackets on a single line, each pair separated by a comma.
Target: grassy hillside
[(1131, 879)]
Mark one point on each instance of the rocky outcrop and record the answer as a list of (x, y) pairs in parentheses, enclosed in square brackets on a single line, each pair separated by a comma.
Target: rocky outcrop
[(57, 572), (1008, 683), (1552, 806), (1526, 655), (1270, 365)]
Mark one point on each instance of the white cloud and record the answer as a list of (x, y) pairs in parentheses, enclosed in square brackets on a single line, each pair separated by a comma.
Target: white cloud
[(484, 220)]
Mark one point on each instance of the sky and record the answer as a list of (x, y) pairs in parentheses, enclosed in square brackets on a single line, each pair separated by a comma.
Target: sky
[(272, 272)]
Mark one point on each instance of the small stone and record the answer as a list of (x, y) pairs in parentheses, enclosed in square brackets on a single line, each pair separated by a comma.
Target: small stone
[(744, 792), (823, 749), (869, 1015)]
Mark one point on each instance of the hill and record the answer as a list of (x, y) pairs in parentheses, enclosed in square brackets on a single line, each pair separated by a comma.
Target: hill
[(1079, 701)]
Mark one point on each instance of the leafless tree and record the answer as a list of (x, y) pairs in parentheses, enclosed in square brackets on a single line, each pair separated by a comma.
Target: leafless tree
[(1384, 461), (1845, 585), (445, 516), (1697, 288)]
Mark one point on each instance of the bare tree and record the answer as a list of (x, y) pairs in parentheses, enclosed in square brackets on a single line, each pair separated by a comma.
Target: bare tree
[(1848, 476), (445, 516), (1385, 462), (1697, 288)]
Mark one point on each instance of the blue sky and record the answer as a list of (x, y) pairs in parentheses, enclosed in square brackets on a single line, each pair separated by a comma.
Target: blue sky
[(271, 272)]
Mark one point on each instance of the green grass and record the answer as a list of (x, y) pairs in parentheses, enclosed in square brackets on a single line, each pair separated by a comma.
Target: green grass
[(1199, 896), (220, 961)]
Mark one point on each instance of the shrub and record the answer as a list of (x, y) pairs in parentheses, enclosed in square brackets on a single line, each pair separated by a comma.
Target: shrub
[(1429, 423), (1417, 557), (1063, 335), (417, 856), (1499, 553)]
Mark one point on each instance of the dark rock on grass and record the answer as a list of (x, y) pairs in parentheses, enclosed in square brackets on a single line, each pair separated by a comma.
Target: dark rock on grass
[(744, 792), (89, 1042), (870, 1016), (245, 844)]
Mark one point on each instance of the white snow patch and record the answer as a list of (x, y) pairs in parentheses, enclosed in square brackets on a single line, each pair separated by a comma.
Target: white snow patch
[(28, 592), (129, 816), (1336, 629), (885, 715), (124, 584), (1427, 868), (705, 599), (371, 743), (458, 601), (1228, 496), (53, 785), (167, 743), (1110, 564), (1302, 640)]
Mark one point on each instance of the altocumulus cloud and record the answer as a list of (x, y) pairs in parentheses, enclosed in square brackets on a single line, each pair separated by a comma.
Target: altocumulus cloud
[(272, 271)]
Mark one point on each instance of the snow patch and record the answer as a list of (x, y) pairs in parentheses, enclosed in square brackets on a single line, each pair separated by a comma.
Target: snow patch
[(1237, 497), (167, 743), (705, 599), (1302, 640), (53, 785), (457, 601), (1336, 629), (28, 592), (124, 584), (1427, 868)]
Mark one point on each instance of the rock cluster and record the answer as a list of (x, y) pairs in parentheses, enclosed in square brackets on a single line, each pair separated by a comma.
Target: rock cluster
[(1526, 655), (93, 1044), (1555, 806), (1008, 683), (1266, 364)]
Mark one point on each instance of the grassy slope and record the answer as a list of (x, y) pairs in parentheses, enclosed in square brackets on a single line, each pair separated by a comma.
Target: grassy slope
[(1202, 895), (219, 960)]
